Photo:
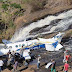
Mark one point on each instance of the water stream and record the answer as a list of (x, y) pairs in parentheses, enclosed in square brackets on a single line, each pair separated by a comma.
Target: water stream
[(62, 25)]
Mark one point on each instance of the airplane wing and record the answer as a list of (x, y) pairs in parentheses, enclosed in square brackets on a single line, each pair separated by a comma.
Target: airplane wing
[(45, 41)]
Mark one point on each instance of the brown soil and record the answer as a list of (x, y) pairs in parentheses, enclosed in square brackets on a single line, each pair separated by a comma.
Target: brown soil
[(33, 68), (45, 58), (52, 7), (30, 14)]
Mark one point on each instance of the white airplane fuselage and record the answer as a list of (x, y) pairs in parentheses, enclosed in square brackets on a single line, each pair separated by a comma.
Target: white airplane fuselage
[(17, 46), (31, 43)]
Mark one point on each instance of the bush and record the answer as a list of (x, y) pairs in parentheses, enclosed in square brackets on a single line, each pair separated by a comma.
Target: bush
[(15, 5), (18, 13), (1, 0), (5, 6), (0, 32), (26, 1), (11, 24)]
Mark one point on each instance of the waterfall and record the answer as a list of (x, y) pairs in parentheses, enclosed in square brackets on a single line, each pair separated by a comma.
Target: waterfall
[(62, 25)]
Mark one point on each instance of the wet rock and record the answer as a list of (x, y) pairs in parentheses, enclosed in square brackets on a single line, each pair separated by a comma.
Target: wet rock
[(70, 27)]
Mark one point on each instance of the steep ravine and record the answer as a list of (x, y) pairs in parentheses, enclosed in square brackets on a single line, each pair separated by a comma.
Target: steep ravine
[(50, 7)]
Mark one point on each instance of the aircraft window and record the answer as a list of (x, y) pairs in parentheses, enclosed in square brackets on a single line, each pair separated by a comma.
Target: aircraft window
[(6, 47), (23, 44), (10, 46), (57, 36), (16, 46), (28, 39), (61, 36), (19, 45), (35, 43)]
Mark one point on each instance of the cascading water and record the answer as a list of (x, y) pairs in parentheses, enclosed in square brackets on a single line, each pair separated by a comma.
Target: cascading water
[(62, 25), (68, 45)]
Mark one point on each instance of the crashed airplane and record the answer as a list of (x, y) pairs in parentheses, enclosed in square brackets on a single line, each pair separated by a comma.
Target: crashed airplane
[(51, 44)]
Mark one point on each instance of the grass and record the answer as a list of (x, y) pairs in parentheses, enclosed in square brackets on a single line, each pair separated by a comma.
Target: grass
[(18, 13), (15, 5), (5, 6), (11, 24), (26, 1), (0, 32), (1, 0)]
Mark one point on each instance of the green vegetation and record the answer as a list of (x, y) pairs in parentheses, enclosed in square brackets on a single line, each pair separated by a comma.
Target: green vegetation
[(0, 32), (1, 0), (18, 13), (11, 24), (0, 13), (10, 10), (26, 1), (5, 6), (15, 5)]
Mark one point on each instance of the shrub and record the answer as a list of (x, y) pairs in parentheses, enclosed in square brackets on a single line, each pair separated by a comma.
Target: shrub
[(18, 13), (15, 5), (1, 0), (11, 24), (0, 32), (26, 1), (5, 6)]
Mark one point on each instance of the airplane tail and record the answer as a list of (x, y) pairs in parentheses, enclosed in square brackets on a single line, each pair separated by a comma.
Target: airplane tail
[(6, 41), (58, 37), (54, 46)]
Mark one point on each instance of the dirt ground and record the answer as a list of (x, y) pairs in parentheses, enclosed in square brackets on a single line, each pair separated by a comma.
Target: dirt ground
[(33, 68)]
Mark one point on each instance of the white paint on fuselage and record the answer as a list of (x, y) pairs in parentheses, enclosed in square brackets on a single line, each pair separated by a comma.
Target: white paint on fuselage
[(27, 44), (17, 45)]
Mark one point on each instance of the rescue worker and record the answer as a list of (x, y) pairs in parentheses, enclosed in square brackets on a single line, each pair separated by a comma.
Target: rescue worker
[(66, 66), (68, 58), (53, 65), (65, 53), (38, 63), (15, 66)]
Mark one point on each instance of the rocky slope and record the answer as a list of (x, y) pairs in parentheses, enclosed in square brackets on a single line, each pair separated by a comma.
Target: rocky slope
[(18, 13)]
